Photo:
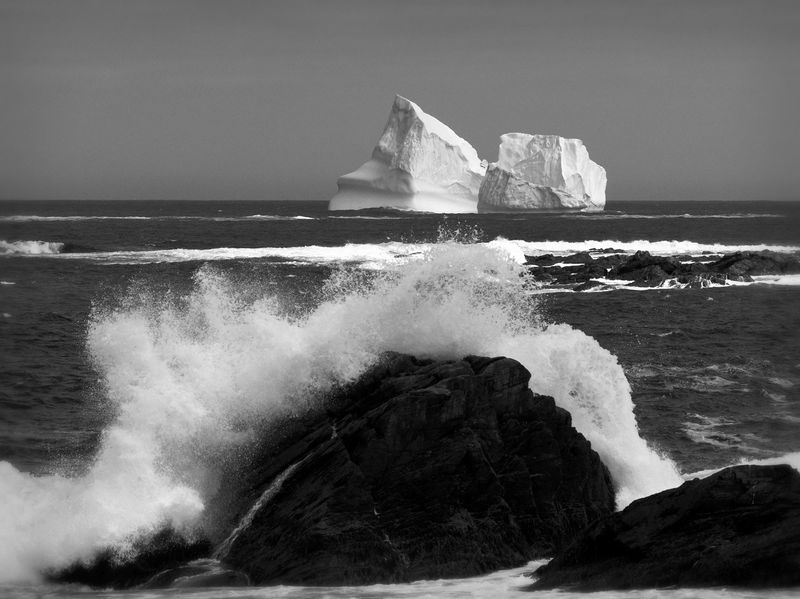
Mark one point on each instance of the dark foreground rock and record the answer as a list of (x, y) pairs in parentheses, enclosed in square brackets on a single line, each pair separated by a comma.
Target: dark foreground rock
[(738, 527), (164, 551), (421, 470)]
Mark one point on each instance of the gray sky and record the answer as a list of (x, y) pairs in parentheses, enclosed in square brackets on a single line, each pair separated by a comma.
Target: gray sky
[(246, 99)]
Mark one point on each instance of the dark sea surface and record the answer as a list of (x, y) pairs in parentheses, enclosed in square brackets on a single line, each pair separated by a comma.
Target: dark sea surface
[(120, 319)]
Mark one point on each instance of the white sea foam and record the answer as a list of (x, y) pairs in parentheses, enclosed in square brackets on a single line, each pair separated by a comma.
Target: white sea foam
[(716, 432), (503, 584), (30, 248), (187, 379), (782, 280), (380, 255), (367, 255), (620, 216), (278, 217), (372, 256), (793, 459), (660, 247)]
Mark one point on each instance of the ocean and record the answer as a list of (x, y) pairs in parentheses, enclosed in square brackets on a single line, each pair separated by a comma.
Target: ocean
[(145, 343)]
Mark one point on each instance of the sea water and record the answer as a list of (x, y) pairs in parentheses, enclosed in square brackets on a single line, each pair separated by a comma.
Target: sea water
[(146, 344)]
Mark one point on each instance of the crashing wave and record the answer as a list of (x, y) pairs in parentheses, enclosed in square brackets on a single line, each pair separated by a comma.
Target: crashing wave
[(188, 378)]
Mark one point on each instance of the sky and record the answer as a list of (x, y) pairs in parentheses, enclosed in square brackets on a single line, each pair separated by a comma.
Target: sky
[(254, 99)]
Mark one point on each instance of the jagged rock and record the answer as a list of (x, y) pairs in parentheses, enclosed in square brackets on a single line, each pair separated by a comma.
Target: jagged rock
[(646, 270), (738, 527), (632, 268), (542, 172), (592, 270), (756, 263), (579, 258), (421, 470), (418, 164)]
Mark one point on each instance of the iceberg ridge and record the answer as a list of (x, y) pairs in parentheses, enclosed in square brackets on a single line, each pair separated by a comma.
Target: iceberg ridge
[(420, 164), (536, 172)]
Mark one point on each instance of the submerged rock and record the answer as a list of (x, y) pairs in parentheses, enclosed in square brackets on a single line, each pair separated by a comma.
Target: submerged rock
[(542, 172), (148, 556), (421, 470), (738, 527), (198, 573), (418, 164)]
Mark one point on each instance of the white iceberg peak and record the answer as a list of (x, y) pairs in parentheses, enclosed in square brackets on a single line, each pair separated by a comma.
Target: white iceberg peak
[(419, 163), (542, 172)]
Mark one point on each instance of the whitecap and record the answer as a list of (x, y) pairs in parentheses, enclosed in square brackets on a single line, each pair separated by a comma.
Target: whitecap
[(30, 248), (655, 247)]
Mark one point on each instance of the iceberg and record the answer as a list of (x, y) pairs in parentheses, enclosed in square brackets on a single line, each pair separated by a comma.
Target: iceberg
[(542, 172), (418, 164)]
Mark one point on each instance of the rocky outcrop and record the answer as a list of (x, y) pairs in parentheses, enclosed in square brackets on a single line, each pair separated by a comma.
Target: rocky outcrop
[(748, 264), (542, 172), (420, 470), (418, 164), (645, 270), (738, 527)]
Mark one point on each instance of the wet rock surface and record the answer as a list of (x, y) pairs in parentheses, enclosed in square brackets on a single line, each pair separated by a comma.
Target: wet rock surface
[(738, 527), (422, 470)]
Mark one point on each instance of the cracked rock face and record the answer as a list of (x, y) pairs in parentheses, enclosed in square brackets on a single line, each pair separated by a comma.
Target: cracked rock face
[(418, 164), (422, 469), (739, 527), (542, 172)]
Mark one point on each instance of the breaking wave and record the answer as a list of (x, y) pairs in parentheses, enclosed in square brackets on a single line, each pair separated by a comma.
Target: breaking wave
[(373, 256), (187, 377), (792, 459), (380, 255), (622, 215), (30, 248), (660, 248)]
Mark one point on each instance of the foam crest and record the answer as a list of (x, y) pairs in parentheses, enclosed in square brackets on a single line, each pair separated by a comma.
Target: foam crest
[(377, 256), (190, 379), (620, 215), (29, 247), (792, 459), (370, 256), (658, 247)]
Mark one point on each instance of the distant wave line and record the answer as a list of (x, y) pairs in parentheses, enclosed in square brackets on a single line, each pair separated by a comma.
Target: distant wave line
[(373, 255), (37, 218), (616, 216)]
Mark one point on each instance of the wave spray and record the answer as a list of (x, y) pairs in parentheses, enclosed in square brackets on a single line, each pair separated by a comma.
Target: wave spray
[(192, 380)]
